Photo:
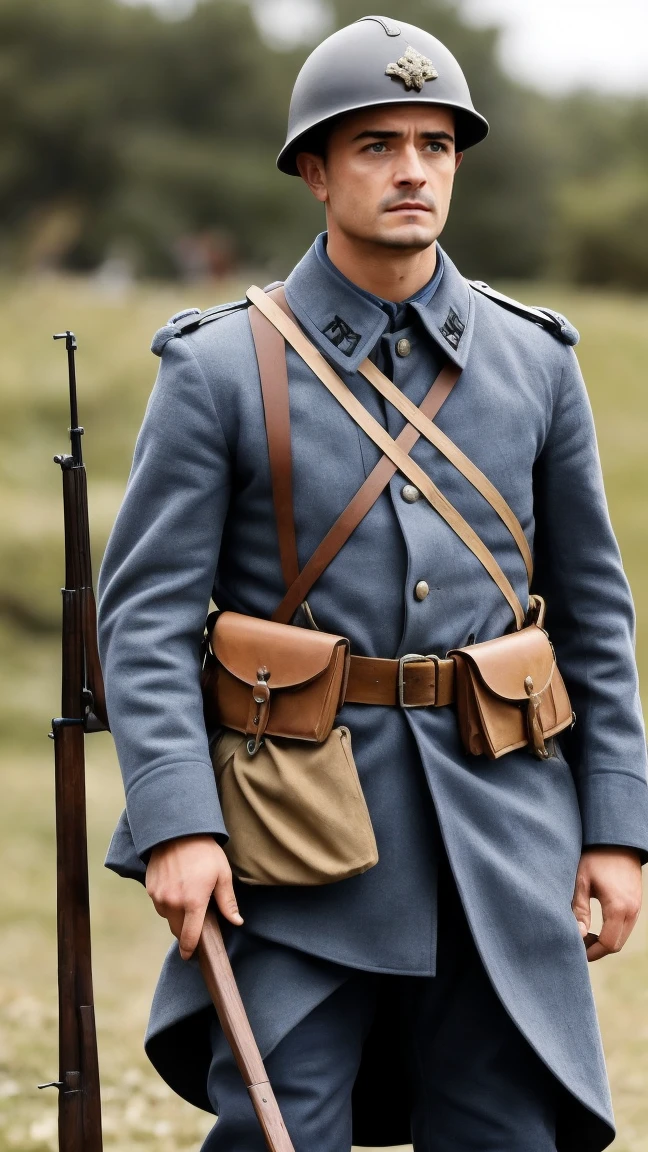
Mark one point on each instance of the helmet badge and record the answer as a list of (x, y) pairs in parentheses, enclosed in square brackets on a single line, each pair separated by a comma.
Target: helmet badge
[(413, 69)]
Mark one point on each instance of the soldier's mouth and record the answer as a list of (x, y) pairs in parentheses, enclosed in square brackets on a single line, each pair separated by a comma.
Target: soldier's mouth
[(407, 207)]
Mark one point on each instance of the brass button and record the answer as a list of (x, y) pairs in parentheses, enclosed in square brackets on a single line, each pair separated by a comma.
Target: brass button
[(403, 347), (410, 494), (422, 590)]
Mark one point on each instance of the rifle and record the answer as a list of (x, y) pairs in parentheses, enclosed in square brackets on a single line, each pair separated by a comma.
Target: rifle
[(83, 710)]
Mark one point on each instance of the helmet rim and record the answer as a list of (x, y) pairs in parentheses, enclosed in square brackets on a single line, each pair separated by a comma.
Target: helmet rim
[(465, 138)]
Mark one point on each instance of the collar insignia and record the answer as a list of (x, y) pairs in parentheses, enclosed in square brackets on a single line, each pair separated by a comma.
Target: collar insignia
[(340, 334), (453, 329), (413, 69)]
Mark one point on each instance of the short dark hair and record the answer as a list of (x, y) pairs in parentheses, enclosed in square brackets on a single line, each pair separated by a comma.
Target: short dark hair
[(316, 141)]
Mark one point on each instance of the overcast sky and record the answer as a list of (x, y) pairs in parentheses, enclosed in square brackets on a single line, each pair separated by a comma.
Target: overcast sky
[(552, 44), (559, 44)]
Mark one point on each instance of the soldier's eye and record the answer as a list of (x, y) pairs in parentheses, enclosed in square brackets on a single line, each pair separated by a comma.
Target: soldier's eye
[(436, 146), (379, 146)]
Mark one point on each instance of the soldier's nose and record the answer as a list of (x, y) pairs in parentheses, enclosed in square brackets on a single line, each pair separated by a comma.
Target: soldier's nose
[(411, 172)]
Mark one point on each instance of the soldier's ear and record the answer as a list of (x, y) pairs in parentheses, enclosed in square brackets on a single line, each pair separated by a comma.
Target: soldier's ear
[(313, 172), (458, 158)]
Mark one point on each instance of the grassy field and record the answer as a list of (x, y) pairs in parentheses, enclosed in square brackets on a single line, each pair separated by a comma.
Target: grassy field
[(115, 373)]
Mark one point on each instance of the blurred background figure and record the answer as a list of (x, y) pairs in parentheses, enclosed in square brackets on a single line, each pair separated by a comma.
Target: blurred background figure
[(137, 147)]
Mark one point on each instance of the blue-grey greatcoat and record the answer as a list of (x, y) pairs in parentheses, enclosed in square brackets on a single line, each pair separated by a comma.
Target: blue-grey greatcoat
[(198, 519)]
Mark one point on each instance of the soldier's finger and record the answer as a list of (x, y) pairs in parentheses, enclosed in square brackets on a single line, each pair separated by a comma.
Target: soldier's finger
[(594, 951), (612, 937), (194, 919), (629, 920), (173, 916), (226, 899), (581, 905), (589, 940)]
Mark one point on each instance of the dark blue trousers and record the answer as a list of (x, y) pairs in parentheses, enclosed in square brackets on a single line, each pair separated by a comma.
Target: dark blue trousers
[(473, 1083)]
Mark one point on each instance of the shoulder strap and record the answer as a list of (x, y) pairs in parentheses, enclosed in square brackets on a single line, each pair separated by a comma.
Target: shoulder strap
[(546, 318), (418, 418), (271, 355), (363, 501), (273, 373), (323, 370), (452, 453), (193, 318)]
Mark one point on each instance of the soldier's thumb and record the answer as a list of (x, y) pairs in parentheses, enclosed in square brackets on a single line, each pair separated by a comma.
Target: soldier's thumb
[(581, 905), (226, 899)]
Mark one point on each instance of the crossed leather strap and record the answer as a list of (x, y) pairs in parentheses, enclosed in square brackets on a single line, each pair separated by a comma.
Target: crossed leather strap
[(273, 325)]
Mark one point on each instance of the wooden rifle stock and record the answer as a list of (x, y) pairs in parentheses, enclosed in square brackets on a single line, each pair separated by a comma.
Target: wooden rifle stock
[(83, 710), (219, 978)]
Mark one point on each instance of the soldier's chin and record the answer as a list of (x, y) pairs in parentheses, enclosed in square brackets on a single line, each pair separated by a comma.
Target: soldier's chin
[(414, 237)]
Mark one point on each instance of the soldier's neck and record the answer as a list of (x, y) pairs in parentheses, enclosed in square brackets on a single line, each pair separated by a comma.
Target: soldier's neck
[(389, 273)]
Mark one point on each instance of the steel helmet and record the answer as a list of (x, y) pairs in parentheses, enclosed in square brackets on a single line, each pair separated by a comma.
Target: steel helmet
[(377, 61)]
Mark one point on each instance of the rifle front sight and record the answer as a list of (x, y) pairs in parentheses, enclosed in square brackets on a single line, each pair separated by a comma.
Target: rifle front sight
[(75, 431)]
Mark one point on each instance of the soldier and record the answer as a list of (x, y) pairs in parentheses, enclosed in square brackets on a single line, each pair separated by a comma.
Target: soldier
[(441, 996)]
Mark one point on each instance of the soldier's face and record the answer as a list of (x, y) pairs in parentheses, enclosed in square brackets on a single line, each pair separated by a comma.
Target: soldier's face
[(387, 175)]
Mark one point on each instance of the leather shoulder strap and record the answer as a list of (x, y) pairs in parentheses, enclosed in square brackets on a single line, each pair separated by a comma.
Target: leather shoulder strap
[(270, 348), (363, 501), (452, 453), (423, 423), (271, 357), (336, 386)]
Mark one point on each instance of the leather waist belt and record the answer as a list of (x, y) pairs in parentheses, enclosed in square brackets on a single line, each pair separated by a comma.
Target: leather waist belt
[(414, 681)]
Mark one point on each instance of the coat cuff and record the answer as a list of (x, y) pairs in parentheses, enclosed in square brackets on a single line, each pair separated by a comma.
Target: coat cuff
[(174, 800), (614, 811)]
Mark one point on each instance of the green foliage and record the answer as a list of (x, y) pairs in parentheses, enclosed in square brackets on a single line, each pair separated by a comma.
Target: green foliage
[(601, 231), (122, 131), (125, 134)]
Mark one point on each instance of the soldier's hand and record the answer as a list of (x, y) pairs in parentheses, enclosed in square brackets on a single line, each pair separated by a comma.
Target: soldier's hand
[(181, 877), (613, 877)]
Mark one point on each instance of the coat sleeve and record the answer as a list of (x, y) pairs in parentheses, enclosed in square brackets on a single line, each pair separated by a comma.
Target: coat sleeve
[(154, 588), (590, 620)]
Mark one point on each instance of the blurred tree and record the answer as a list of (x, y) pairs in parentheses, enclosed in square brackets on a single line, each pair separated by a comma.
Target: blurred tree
[(59, 160), (602, 230), (127, 135), (600, 225), (124, 131)]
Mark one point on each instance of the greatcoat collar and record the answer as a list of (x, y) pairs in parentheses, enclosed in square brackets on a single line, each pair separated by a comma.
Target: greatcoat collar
[(346, 324)]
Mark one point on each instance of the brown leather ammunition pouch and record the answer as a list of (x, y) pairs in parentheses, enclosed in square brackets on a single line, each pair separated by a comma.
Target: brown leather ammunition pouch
[(509, 693), (268, 679)]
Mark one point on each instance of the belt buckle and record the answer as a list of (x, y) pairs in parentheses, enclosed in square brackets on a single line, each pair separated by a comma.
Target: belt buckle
[(412, 658)]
